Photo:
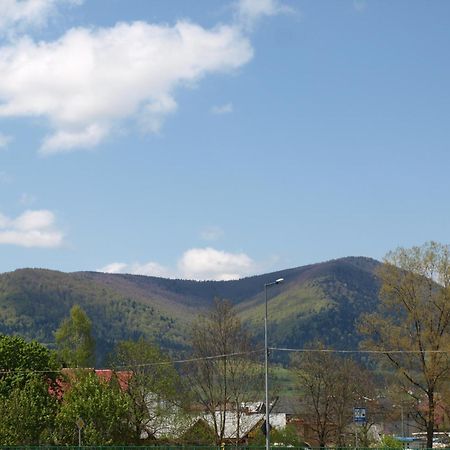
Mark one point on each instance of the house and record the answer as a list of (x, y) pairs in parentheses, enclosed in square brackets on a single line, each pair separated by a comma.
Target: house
[(62, 383), (244, 425)]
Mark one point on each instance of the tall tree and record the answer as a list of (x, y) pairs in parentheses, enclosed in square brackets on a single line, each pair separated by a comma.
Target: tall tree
[(102, 406), (331, 386), (224, 374), (27, 409), (154, 387), (412, 324), (74, 339)]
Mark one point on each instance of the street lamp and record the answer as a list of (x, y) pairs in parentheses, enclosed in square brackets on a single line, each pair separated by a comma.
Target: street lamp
[(402, 418), (266, 360)]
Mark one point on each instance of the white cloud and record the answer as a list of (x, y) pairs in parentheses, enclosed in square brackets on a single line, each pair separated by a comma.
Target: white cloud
[(31, 229), (153, 114), (195, 264), (64, 141), (34, 220), (150, 269), (249, 12), (17, 15), (211, 264), (115, 267), (4, 140), (90, 79), (222, 109)]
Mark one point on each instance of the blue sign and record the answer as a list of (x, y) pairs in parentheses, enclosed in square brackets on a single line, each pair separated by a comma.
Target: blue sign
[(359, 415)]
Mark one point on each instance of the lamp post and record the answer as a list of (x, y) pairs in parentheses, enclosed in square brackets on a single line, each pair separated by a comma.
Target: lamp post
[(266, 361), (402, 418)]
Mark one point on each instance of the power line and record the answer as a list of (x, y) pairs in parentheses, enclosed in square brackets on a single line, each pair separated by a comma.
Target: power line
[(200, 358), (226, 355), (130, 366), (28, 371), (328, 350)]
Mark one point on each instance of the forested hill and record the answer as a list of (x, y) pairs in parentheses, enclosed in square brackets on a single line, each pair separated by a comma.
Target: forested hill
[(315, 301)]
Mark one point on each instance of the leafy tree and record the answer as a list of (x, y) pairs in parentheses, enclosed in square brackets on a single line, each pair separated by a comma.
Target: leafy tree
[(76, 345), (224, 374), (102, 406), (154, 387), (21, 360), (27, 410), (27, 414), (412, 324)]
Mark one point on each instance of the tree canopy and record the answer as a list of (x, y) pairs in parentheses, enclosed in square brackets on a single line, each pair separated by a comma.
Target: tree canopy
[(412, 324), (102, 406), (331, 386), (22, 361), (75, 341), (27, 408), (154, 387), (224, 374)]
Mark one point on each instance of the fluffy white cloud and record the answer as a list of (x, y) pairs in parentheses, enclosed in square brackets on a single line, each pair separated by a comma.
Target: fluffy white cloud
[(90, 79), (151, 269), (30, 229), (196, 264), (222, 109), (20, 14), (251, 11), (211, 264), (34, 220), (64, 141), (115, 267)]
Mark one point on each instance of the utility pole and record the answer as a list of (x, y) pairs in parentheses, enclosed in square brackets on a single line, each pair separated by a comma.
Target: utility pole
[(266, 361)]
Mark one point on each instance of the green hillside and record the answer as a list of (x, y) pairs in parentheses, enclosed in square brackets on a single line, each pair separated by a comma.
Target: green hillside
[(316, 301), (322, 301), (33, 302)]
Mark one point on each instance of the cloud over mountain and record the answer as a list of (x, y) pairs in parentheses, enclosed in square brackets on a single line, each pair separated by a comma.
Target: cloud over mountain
[(195, 264)]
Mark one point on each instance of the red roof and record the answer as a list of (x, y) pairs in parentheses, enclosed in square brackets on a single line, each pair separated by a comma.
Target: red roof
[(62, 384), (123, 376)]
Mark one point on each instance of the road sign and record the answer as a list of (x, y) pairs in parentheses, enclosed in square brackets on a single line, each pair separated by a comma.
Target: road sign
[(359, 415), (80, 423)]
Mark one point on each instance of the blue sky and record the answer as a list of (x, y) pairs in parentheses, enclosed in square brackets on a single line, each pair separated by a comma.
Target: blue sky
[(212, 140)]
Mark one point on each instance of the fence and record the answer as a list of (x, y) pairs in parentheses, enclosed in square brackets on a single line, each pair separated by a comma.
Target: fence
[(175, 447)]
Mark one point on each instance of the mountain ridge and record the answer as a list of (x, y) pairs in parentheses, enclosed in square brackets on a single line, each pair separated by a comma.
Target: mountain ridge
[(316, 301)]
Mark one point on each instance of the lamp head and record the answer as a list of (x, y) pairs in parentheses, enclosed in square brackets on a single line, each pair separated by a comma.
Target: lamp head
[(273, 283)]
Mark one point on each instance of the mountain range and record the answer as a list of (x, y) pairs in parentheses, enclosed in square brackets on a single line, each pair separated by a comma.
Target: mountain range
[(319, 301)]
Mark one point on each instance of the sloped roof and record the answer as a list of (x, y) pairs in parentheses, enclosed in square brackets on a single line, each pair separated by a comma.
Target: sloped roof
[(62, 384), (247, 422), (123, 376)]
